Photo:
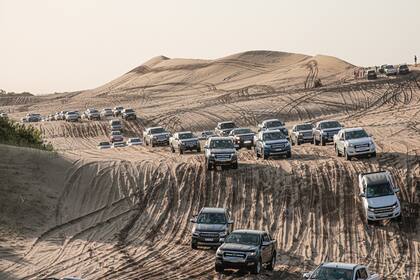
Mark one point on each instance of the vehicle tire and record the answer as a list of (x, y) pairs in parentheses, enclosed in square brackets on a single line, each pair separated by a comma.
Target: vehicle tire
[(398, 219), (151, 144), (298, 143), (145, 141), (193, 245), (272, 262), (265, 156), (346, 155), (172, 149), (373, 154), (322, 142), (337, 152), (289, 155), (181, 151), (199, 150), (219, 268), (248, 148), (257, 154), (257, 268), (235, 165), (315, 142), (209, 166), (291, 141)]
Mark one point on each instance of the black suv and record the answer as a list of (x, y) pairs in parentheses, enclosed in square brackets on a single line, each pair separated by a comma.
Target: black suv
[(247, 249), (210, 227)]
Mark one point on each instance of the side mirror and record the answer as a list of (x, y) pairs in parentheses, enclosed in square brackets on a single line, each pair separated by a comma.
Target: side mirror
[(306, 275), (192, 221), (230, 222), (206, 146), (397, 190), (362, 194), (265, 243)]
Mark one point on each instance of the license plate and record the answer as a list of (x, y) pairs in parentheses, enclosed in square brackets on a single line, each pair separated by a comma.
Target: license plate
[(208, 239)]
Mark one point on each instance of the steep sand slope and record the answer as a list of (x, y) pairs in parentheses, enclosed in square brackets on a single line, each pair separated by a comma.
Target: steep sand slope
[(124, 214)]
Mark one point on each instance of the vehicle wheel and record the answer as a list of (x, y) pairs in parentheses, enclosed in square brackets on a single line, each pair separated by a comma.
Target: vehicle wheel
[(315, 142), (193, 245), (346, 155), (292, 142), (398, 219), (257, 268), (199, 150), (257, 154), (373, 154), (219, 268), (151, 144), (272, 262), (145, 141), (209, 166), (248, 148), (289, 155), (235, 165), (298, 142), (322, 142), (172, 149), (265, 156), (181, 151)]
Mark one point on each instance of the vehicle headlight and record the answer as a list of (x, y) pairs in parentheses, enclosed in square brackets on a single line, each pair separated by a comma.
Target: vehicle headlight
[(267, 146), (212, 155), (155, 137), (351, 145), (371, 143), (371, 209), (233, 155), (252, 254), (223, 233), (287, 144), (219, 252), (196, 233)]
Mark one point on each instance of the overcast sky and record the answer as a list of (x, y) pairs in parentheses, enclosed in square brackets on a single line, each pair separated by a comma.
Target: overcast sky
[(56, 45)]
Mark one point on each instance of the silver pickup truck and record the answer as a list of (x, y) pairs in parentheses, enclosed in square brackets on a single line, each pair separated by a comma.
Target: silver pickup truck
[(352, 142), (184, 141), (341, 271), (156, 136)]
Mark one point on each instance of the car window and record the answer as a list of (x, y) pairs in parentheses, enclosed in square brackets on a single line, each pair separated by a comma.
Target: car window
[(304, 127), (273, 124), (157, 130), (211, 218), (273, 136), (186, 136), (332, 124), (356, 134), (241, 131), (378, 190), (227, 125), (265, 237), (244, 238), (361, 274), (221, 144)]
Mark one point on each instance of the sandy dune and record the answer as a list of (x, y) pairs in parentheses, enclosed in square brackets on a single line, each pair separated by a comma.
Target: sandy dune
[(124, 214)]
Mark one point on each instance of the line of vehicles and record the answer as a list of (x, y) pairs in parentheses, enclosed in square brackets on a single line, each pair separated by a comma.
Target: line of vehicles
[(251, 250), (88, 114), (387, 70)]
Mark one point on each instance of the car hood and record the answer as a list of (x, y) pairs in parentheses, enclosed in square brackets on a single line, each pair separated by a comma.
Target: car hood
[(161, 134), (359, 141), (331, 129), (245, 134), (208, 227), (382, 201), (223, 151), (305, 131), (281, 141), (237, 247)]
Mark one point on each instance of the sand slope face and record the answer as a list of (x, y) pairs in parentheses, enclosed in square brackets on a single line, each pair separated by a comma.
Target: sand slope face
[(124, 213)]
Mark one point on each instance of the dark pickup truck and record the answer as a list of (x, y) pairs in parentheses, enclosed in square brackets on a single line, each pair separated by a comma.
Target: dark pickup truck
[(242, 138)]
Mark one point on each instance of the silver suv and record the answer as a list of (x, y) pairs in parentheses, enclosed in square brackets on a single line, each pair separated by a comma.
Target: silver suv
[(220, 151)]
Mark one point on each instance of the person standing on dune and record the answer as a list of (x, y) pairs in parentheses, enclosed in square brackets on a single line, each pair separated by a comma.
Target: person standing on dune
[(415, 60)]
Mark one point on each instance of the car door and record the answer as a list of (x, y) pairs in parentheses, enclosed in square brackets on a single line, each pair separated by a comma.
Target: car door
[(340, 142), (266, 248)]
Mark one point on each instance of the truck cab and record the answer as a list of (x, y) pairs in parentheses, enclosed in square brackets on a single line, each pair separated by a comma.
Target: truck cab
[(379, 196), (272, 143), (220, 151), (341, 271), (273, 124), (352, 142), (224, 128)]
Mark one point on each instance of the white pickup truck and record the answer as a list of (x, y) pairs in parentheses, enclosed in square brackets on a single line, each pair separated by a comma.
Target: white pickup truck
[(352, 142), (378, 193), (341, 271)]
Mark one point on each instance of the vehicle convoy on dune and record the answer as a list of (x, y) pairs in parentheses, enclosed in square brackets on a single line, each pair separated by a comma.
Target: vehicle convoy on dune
[(184, 141), (32, 117), (128, 114), (210, 227), (379, 196), (224, 128), (242, 138), (247, 249), (156, 136), (352, 142), (301, 133), (273, 124), (341, 271), (324, 131), (220, 151), (271, 143)]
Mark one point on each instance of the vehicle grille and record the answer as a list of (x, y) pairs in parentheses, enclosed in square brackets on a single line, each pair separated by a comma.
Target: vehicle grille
[(247, 137), (361, 146), (307, 134), (222, 156), (234, 254), (209, 234), (278, 146), (383, 210)]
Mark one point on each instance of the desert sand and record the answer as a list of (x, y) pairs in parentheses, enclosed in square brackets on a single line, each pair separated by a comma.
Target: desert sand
[(124, 213)]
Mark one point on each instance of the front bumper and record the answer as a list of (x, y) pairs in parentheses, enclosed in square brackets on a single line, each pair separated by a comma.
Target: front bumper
[(215, 161), (351, 151), (236, 263), (160, 142), (244, 143), (207, 241), (384, 216), (193, 147), (277, 152), (328, 138)]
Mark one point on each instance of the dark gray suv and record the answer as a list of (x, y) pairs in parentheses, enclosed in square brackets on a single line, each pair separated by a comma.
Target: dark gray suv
[(210, 227), (247, 249)]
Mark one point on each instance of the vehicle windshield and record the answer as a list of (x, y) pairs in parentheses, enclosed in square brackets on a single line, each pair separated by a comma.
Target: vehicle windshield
[(243, 238), (227, 125), (389, 67), (103, 143), (274, 124), (403, 67), (129, 110), (157, 130), (93, 111), (116, 122), (135, 140), (356, 134), (221, 144), (211, 218), (207, 133), (115, 132), (185, 136), (332, 124), (71, 113), (119, 108), (304, 127), (241, 131), (378, 190), (273, 136), (332, 273)]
